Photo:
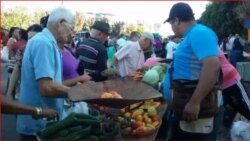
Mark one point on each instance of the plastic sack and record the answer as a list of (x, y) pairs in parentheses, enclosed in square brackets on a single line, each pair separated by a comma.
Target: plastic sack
[(79, 107), (240, 131)]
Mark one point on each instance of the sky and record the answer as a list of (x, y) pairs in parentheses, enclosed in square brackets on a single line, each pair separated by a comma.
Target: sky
[(147, 11)]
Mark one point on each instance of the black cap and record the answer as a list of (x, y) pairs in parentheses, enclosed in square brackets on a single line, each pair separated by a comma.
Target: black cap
[(44, 20), (102, 26), (182, 11)]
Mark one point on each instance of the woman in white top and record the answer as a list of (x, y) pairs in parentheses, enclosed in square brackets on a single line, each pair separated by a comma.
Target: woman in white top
[(171, 46)]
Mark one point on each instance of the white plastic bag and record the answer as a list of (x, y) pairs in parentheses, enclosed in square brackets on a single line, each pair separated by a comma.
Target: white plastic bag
[(5, 54), (79, 107), (240, 131)]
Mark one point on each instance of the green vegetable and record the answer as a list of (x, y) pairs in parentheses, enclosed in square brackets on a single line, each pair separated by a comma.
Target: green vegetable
[(88, 122), (75, 129), (51, 123), (151, 77), (79, 134), (51, 130), (62, 133), (161, 71), (85, 116)]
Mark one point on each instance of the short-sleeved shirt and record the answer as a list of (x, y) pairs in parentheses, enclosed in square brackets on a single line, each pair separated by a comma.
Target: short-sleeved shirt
[(199, 43), (130, 58), (93, 56), (230, 74), (70, 64), (42, 59)]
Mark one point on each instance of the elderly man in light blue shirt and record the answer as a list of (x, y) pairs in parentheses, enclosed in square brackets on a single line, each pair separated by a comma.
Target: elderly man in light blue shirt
[(41, 74)]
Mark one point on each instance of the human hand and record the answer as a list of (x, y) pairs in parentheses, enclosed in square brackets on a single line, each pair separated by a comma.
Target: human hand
[(110, 72), (49, 114), (84, 78), (191, 111)]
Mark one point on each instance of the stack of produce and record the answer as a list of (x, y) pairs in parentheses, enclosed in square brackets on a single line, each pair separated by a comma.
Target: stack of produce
[(154, 76), (79, 127)]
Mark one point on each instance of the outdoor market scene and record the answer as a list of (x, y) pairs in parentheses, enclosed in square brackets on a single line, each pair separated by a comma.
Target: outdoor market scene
[(118, 70)]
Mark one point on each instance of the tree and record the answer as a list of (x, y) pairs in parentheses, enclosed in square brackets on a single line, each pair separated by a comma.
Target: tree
[(37, 16), (243, 10), (223, 19), (16, 17), (88, 23), (116, 28), (79, 21), (129, 28), (140, 28)]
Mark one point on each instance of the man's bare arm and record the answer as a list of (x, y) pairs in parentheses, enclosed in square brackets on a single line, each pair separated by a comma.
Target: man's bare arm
[(49, 88)]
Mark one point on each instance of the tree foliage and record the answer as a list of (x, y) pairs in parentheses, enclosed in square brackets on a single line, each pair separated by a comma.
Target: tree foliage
[(140, 29), (79, 21), (117, 28), (223, 18), (129, 28), (88, 23), (17, 17)]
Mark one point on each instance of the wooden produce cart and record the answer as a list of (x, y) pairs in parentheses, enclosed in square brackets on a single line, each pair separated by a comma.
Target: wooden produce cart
[(131, 91)]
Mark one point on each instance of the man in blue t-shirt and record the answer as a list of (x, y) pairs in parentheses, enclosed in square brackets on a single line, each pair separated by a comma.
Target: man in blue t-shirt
[(41, 74), (196, 58)]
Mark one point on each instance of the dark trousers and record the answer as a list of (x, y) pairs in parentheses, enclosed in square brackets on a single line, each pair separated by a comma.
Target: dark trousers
[(236, 100), (27, 137)]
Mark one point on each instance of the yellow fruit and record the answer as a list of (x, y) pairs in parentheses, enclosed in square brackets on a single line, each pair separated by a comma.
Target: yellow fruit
[(120, 118), (150, 126), (148, 120), (139, 118), (156, 123), (140, 111), (107, 95), (134, 114), (127, 114)]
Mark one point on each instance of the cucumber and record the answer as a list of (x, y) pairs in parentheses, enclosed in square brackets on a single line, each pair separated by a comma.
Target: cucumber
[(75, 129), (51, 123), (79, 134), (85, 116), (62, 133), (51, 130), (88, 122)]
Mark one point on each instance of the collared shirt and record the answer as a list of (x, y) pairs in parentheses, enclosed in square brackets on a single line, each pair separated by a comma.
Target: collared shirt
[(93, 56), (42, 59), (130, 58)]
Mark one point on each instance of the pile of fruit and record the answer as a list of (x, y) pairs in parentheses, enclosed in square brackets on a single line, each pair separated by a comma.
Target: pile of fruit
[(137, 120), (111, 94), (142, 121)]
